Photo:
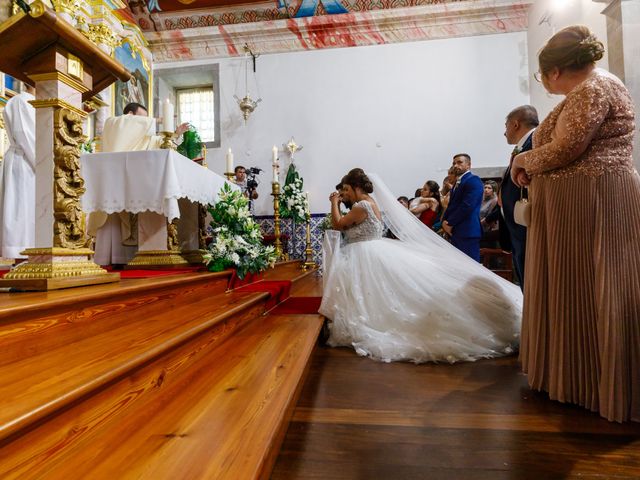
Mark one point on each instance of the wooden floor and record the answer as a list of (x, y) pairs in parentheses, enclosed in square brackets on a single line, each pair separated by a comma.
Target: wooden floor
[(360, 419)]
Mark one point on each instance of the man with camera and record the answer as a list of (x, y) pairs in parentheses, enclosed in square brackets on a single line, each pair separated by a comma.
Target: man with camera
[(247, 183)]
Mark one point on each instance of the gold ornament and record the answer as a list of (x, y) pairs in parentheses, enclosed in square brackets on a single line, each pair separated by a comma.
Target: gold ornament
[(68, 185)]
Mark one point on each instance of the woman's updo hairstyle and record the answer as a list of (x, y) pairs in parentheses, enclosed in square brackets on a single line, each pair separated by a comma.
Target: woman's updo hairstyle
[(572, 48), (357, 178)]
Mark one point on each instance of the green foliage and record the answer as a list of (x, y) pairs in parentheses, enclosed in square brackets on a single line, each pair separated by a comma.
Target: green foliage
[(191, 146), (237, 237), (292, 200)]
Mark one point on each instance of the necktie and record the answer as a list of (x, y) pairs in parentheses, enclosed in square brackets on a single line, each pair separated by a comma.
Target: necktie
[(507, 173)]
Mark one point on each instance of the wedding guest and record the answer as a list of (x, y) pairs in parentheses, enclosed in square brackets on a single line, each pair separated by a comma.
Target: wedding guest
[(581, 319), (461, 219), (489, 202), (447, 184), (404, 201), (415, 201), (428, 209), (518, 130)]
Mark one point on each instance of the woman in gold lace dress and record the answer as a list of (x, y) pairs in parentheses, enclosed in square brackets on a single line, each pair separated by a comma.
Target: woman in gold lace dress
[(581, 318)]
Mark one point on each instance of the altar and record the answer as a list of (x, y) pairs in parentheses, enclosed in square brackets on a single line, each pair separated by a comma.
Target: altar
[(165, 188)]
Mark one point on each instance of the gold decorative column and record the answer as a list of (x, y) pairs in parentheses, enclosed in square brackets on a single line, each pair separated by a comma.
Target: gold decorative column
[(67, 263), (66, 69)]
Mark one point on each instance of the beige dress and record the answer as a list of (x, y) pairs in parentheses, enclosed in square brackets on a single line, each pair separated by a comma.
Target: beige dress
[(581, 319)]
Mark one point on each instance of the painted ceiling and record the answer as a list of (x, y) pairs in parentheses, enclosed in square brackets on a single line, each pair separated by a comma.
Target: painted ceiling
[(159, 15)]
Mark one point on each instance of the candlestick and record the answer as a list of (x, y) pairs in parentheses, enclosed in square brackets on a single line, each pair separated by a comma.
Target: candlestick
[(229, 161), (167, 117), (275, 191), (308, 262), (168, 140)]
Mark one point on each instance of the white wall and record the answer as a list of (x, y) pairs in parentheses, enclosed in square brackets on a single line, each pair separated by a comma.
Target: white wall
[(400, 110), (555, 15)]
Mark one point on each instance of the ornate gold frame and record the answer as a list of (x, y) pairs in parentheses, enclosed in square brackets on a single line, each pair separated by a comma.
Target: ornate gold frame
[(145, 63)]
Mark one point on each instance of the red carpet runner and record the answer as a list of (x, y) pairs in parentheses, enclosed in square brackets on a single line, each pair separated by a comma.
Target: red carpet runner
[(298, 305)]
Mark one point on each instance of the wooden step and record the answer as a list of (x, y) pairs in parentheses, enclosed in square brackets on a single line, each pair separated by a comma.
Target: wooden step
[(195, 412), (49, 379)]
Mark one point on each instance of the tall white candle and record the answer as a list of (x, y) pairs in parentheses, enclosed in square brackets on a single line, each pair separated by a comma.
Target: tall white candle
[(167, 116), (275, 173), (274, 154), (306, 203), (229, 161)]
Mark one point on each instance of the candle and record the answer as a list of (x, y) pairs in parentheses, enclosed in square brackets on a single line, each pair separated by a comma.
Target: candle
[(306, 203), (167, 117), (274, 155), (229, 161), (275, 173)]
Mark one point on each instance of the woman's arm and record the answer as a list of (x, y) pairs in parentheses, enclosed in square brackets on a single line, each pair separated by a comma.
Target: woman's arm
[(342, 222), (577, 124)]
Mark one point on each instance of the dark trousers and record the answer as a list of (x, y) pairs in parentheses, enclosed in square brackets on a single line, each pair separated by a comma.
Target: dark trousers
[(518, 235), (470, 246)]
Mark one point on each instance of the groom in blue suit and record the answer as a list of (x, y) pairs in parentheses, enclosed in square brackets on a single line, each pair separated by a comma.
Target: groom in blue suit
[(462, 216)]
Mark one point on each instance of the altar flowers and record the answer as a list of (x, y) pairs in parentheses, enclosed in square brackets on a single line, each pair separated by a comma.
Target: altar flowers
[(237, 239)]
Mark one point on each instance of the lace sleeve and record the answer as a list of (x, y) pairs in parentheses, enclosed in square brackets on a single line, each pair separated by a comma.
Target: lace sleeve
[(576, 126)]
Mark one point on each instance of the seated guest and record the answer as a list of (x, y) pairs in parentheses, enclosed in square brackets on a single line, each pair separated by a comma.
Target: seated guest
[(489, 203), (428, 208), (415, 201), (404, 201), (447, 185)]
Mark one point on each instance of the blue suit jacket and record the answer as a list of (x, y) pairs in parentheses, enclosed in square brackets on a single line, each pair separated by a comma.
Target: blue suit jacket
[(463, 212)]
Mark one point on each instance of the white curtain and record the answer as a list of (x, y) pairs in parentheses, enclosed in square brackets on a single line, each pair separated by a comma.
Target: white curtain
[(195, 105)]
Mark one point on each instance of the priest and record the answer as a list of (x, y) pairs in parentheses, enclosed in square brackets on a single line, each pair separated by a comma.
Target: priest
[(116, 234), (18, 187)]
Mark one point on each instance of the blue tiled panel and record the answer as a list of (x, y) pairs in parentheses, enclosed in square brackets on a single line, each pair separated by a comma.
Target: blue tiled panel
[(297, 238)]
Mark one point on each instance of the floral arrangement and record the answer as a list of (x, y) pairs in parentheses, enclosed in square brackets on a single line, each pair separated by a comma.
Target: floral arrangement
[(237, 239), (293, 201)]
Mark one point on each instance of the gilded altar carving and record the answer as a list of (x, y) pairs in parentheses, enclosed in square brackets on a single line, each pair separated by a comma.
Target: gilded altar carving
[(68, 185), (173, 243), (202, 226)]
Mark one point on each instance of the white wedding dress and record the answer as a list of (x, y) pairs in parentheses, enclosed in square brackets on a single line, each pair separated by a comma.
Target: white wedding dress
[(417, 298)]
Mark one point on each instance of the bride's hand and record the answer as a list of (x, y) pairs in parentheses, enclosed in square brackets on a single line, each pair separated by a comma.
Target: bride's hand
[(334, 197)]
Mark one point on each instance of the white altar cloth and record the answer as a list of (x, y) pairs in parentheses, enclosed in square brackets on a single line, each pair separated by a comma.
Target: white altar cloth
[(150, 180)]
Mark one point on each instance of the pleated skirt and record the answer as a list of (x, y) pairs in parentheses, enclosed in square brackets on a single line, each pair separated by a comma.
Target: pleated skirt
[(581, 318)]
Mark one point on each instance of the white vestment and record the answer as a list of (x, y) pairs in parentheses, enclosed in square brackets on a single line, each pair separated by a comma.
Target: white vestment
[(125, 133), (18, 187)]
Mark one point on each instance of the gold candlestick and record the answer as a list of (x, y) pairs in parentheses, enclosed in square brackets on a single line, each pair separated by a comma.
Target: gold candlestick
[(168, 141), (230, 176), (275, 191), (308, 262)]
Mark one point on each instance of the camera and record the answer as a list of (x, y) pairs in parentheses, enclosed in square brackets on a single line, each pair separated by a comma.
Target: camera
[(252, 181)]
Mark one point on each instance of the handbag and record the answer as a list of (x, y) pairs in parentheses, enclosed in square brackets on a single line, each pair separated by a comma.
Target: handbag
[(522, 210)]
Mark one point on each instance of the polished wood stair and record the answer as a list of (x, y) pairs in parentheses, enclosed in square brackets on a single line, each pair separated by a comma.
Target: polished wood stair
[(175, 378)]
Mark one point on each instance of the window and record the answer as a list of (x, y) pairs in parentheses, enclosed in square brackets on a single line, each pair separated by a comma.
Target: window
[(196, 106)]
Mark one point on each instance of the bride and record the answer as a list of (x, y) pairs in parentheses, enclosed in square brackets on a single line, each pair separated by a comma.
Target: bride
[(416, 298)]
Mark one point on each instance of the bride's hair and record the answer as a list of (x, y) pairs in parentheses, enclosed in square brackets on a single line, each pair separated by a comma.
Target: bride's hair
[(357, 178)]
